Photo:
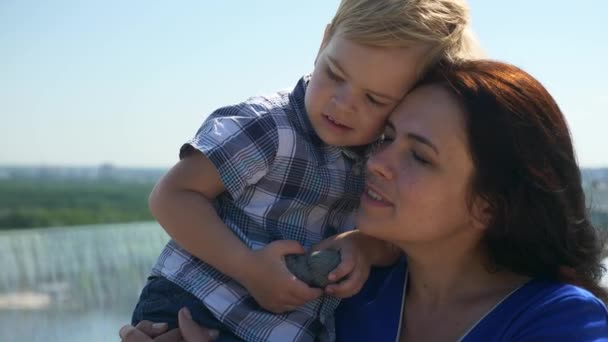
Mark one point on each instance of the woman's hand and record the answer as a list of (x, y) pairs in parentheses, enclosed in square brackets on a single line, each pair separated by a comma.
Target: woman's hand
[(189, 331)]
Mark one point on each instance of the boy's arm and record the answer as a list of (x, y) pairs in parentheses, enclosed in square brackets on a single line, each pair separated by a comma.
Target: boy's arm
[(359, 252), (182, 203), (380, 253), (377, 252)]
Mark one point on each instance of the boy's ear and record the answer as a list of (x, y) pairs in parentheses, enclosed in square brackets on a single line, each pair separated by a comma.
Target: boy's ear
[(324, 42)]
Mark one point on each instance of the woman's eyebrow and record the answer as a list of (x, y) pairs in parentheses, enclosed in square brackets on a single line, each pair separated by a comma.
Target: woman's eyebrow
[(417, 137), (423, 140)]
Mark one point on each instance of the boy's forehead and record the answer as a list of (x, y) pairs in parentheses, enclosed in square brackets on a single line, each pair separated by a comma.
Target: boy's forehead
[(375, 90), (389, 71), (340, 38)]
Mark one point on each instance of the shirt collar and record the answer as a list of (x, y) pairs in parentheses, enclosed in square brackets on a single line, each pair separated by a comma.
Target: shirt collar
[(300, 118)]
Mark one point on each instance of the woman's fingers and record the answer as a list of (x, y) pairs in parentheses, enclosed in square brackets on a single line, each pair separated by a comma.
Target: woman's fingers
[(129, 333), (146, 331), (152, 329), (191, 331)]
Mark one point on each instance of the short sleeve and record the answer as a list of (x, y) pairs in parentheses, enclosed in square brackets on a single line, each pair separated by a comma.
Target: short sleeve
[(241, 141), (580, 318)]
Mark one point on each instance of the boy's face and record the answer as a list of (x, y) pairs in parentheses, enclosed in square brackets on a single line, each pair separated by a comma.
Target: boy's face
[(354, 88)]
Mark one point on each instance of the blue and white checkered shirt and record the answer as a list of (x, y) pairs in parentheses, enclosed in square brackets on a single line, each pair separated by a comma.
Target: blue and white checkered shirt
[(282, 183)]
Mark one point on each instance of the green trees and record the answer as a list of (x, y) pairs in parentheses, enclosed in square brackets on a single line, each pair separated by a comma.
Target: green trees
[(26, 203), (597, 201), (31, 202)]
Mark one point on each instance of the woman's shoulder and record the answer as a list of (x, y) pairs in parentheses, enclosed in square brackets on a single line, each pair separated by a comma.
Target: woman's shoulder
[(547, 297), (563, 312), (545, 310)]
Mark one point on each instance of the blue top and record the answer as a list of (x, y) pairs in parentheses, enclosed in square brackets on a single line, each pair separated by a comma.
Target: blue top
[(282, 183), (537, 311)]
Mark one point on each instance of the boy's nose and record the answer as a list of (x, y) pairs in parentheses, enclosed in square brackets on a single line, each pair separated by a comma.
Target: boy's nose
[(344, 99)]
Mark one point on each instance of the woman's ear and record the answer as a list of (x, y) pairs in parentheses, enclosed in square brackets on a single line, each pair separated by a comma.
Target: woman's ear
[(481, 213)]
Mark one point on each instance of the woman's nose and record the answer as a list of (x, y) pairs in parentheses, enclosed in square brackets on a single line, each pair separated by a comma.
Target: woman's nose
[(379, 163)]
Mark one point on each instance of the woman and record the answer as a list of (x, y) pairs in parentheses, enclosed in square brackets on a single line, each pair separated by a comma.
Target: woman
[(477, 182)]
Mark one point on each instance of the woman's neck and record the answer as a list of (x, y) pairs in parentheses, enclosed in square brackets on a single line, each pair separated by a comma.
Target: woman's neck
[(449, 288), (438, 278), (443, 275)]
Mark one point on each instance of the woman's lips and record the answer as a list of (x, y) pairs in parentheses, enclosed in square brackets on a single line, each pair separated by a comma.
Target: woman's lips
[(373, 197)]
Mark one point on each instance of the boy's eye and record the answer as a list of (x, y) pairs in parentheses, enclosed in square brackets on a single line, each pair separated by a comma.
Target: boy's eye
[(333, 75)]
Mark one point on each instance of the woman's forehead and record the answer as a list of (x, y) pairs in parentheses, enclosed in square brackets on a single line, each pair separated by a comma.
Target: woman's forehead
[(431, 105), (434, 112)]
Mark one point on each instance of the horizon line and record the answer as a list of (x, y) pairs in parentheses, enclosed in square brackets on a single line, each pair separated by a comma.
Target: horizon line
[(124, 166)]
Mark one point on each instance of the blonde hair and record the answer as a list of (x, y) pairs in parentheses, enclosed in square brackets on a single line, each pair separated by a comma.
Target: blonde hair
[(441, 24)]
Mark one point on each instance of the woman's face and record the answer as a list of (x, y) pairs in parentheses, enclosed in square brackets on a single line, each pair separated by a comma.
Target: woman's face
[(418, 179)]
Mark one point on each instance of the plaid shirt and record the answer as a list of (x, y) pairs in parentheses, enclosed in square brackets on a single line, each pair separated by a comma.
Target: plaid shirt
[(282, 183)]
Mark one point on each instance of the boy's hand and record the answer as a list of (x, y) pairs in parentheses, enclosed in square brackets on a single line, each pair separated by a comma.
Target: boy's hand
[(354, 269), (359, 252), (271, 284)]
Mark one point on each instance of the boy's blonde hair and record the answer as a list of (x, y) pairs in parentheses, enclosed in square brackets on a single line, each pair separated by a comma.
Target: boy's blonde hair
[(442, 24)]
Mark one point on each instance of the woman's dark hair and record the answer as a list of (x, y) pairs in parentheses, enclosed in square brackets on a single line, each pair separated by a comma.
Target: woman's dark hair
[(526, 172)]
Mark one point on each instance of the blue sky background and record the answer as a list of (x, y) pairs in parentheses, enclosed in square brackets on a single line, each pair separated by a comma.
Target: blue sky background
[(126, 82)]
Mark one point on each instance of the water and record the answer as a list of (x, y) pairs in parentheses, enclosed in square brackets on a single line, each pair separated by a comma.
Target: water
[(74, 283)]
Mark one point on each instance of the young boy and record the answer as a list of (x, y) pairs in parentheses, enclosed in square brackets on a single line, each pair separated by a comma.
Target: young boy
[(275, 175)]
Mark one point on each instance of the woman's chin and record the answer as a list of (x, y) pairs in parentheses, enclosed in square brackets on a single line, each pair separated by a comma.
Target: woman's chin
[(367, 225)]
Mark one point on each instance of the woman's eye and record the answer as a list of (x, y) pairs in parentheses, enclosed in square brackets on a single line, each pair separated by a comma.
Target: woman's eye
[(385, 138), (373, 101), (419, 158), (378, 145)]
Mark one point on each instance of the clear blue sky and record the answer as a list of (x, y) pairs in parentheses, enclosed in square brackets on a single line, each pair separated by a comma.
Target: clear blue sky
[(85, 82)]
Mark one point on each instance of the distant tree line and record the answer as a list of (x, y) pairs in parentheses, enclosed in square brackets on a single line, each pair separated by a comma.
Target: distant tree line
[(600, 218), (26, 203), (597, 200)]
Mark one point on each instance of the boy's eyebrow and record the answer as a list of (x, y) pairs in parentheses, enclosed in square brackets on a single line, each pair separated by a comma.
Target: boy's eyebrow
[(419, 138), (335, 62)]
